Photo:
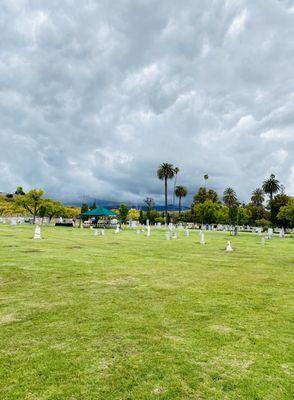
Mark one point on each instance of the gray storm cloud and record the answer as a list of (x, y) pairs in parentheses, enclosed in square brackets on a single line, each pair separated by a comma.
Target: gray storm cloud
[(94, 95)]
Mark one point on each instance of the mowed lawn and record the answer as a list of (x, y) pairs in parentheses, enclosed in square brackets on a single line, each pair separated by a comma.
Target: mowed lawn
[(130, 317)]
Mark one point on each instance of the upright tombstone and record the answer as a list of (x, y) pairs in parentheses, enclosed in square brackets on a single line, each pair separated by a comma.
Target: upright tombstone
[(37, 234), (259, 231), (187, 233), (175, 235), (270, 233), (103, 232), (202, 239), (117, 229), (282, 233), (13, 222), (167, 235), (229, 246), (262, 241), (148, 230), (96, 232), (200, 232)]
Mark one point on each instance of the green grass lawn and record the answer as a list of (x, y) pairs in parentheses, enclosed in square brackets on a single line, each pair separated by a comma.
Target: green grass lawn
[(129, 317)]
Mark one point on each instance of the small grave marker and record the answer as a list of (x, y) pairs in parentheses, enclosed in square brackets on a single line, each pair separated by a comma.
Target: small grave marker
[(37, 234), (229, 246)]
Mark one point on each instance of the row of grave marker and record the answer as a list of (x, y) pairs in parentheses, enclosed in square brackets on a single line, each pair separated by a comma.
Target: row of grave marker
[(37, 235)]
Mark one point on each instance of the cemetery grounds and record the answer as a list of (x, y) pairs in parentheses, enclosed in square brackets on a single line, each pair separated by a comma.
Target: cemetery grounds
[(130, 317)]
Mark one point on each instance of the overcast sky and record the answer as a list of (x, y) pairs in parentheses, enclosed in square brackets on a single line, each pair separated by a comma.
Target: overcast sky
[(94, 95)]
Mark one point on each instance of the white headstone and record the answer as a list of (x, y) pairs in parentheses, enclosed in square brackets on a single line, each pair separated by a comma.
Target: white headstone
[(13, 222), (282, 233), (175, 235), (138, 232), (96, 232), (187, 233), (37, 234), (103, 232), (229, 247), (262, 241), (200, 232), (202, 240), (167, 236), (270, 232), (259, 231), (148, 230), (117, 229)]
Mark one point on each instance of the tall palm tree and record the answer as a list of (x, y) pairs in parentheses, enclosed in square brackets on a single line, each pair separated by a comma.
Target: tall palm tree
[(257, 197), (180, 191), (229, 196), (177, 170), (165, 171), (271, 186), (205, 180)]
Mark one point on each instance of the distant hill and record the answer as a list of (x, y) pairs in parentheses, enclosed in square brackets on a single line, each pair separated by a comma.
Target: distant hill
[(112, 204)]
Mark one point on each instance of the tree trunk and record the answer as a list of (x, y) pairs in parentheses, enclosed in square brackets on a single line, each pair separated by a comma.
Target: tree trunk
[(175, 182), (165, 193), (180, 200)]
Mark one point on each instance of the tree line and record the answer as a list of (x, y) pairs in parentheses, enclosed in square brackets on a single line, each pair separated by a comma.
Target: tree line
[(33, 204), (208, 208)]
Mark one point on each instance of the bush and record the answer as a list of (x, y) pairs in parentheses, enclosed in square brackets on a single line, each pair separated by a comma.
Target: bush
[(263, 223)]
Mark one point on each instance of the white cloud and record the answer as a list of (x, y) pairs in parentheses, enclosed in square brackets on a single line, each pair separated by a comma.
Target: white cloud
[(95, 95), (238, 24)]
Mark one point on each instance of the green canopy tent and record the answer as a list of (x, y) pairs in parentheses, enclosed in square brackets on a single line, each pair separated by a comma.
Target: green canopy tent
[(99, 212)]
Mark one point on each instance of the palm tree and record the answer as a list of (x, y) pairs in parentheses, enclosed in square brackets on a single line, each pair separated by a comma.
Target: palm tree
[(271, 186), (180, 191), (165, 171), (177, 170), (229, 196), (205, 179), (257, 197)]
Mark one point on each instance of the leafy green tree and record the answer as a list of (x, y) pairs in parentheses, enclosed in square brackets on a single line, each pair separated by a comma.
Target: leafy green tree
[(50, 209), (229, 197), (263, 223), (200, 196), (256, 213), (133, 214), (243, 216), (84, 208), (222, 215), (165, 171), (257, 197), (206, 212), (31, 202), (212, 195), (286, 213), (280, 200), (180, 192), (233, 214), (123, 212)]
